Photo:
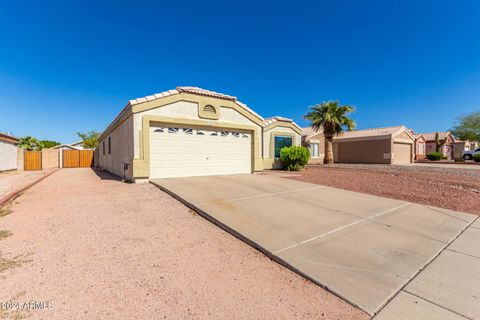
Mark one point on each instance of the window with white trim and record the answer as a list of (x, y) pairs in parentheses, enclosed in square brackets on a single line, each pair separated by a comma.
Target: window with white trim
[(314, 150)]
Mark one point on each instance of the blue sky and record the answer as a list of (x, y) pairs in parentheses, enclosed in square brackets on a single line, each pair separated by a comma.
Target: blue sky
[(71, 66)]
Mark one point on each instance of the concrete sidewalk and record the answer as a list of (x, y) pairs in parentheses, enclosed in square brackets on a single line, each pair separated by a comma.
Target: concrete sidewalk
[(448, 288), (363, 248)]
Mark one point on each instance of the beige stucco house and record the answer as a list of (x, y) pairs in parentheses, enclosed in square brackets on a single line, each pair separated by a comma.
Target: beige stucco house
[(315, 143), (72, 146), (192, 132), (446, 149), (460, 146), (390, 145), (420, 146), (8, 152)]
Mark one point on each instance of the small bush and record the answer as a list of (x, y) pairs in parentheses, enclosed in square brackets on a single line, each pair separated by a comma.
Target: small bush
[(294, 158), (434, 156), (476, 157), (459, 160)]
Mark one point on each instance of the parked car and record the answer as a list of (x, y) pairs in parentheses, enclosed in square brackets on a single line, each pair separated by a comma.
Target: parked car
[(468, 155)]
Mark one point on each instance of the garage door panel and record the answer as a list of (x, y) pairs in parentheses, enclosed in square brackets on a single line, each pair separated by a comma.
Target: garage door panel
[(184, 152), (402, 153)]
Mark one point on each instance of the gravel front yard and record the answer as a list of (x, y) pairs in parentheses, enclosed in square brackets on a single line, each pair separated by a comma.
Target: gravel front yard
[(449, 188), (14, 180), (97, 248)]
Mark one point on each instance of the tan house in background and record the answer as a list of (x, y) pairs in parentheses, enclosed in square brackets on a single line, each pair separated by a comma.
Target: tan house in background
[(460, 146), (190, 131), (315, 143), (8, 152), (390, 145), (420, 146), (446, 149), (72, 146)]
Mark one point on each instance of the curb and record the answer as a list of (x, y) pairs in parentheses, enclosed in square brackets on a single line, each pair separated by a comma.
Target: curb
[(12, 195)]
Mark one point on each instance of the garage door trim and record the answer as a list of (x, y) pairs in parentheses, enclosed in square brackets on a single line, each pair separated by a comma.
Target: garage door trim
[(141, 167), (184, 151)]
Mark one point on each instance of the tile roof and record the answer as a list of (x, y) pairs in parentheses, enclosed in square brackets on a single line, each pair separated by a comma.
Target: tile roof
[(374, 132), (307, 130), (431, 135), (153, 97), (193, 90), (204, 92), (270, 120)]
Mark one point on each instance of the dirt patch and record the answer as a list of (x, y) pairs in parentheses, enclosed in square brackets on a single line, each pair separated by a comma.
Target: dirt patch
[(13, 262), (453, 189), (12, 181), (103, 249), (4, 211), (4, 234)]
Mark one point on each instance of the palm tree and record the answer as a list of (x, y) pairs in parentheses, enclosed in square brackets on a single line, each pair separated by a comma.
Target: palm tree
[(29, 143), (333, 118)]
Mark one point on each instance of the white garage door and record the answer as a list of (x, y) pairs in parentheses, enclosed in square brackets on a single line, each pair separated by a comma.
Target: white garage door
[(186, 151)]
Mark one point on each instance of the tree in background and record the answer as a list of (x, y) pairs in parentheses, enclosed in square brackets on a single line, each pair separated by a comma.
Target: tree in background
[(89, 139), (48, 143), (439, 144), (467, 127), (29, 143), (333, 118)]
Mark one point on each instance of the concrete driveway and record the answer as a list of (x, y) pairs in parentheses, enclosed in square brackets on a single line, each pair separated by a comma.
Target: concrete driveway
[(363, 248)]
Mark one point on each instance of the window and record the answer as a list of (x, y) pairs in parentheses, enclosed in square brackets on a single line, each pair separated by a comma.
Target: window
[(188, 131), (109, 145), (158, 130), (236, 134), (314, 150), (200, 133), (172, 130), (280, 143), (214, 133), (208, 109), (103, 147), (224, 133), (420, 148)]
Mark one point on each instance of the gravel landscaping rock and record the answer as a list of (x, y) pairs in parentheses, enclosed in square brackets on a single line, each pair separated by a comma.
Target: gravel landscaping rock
[(12, 181), (97, 248), (448, 188)]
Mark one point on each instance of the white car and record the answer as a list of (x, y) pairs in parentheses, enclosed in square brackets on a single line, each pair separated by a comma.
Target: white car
[(468, 155)]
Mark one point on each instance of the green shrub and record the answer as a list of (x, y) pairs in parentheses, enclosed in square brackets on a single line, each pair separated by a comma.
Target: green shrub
[(434, 156), (459, 160), (476, 157), (294, 158)]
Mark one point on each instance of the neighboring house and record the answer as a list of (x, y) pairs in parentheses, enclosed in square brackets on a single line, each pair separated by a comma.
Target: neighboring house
[(192, 132), (391, 145), (460, 146), (8, 152), (420, 146), (72, 146), (315, 143), (446, 149)]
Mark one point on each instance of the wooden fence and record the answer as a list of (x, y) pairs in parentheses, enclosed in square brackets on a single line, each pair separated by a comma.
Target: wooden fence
[(32, 160), (77, 158)]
